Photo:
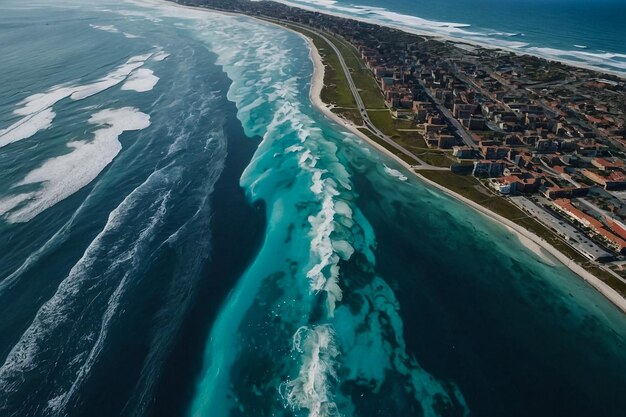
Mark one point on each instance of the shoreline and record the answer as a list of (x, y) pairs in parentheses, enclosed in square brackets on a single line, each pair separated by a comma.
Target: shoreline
[(462, 41), (526, 238), (530, 240)]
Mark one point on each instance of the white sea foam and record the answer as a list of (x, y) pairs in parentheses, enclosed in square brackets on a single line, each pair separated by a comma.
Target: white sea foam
[(60, 177), (272, 87), (26, 127), (385, 16), (311, 389), (110, 80), (395, 173), (55, 313), (505, 34), (106, 28), (140, 80), (37, 108), (343, 248), (160, 56), (609, 60), (294, 148), (136, 13)]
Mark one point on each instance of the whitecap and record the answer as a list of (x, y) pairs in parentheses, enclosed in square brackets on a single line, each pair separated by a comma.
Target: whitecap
[(395, 173), (26, 127), (37, 108), (311, 389), (53, 316), (160, 56), (60, 177), (105, 28), (140, 80), (110, 80)]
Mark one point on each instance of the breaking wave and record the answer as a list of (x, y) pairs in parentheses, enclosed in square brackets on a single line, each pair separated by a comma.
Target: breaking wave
[(55, 316), (311, 389)]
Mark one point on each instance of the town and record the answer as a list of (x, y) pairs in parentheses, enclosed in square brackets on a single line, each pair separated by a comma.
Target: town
[(548, 137)]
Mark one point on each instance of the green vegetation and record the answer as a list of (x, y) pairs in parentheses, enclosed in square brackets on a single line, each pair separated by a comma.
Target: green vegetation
[(436, 158), (352, 115), (472, 189), (336, 90), (388, 124), (363, 77)]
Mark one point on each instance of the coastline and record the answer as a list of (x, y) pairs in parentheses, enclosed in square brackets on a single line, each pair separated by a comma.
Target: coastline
[(461, 41), (527, 238)]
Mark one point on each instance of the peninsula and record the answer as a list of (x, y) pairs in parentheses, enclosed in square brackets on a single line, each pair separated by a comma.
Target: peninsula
[(534, 144)]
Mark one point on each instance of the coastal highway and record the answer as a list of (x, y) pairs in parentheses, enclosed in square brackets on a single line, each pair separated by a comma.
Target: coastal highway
[(366, 118), (361, 106)]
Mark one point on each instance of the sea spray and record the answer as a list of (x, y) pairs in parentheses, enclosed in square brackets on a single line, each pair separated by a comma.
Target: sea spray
[(311, 390)]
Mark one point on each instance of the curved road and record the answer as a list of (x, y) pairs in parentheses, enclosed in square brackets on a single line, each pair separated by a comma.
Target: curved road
[(361, 106)]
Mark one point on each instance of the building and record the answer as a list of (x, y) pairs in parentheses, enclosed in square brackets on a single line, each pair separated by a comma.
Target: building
[(512, 184), (555, 192), (616, 227), (489, 169), (505, 185), (615, 180), (606, 165), (463, 152), (495, 152), (592, 223), (475, 123), (446, 141)]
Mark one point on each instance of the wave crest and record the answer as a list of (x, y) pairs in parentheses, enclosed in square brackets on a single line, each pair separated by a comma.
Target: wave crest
[(311, 389)]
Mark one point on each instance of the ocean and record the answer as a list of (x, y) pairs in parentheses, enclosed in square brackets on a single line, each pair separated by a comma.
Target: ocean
[(589, 33), (182, 233)]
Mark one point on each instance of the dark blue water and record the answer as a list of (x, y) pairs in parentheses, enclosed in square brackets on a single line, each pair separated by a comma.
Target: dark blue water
[(96, 286), (183, 233)]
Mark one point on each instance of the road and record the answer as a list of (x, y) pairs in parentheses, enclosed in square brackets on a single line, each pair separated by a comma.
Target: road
[(573, 237), (361, 106), (466, 137)]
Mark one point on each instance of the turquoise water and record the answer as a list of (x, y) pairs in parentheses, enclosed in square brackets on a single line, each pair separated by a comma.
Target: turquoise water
[(587, 32), (226, 250)]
